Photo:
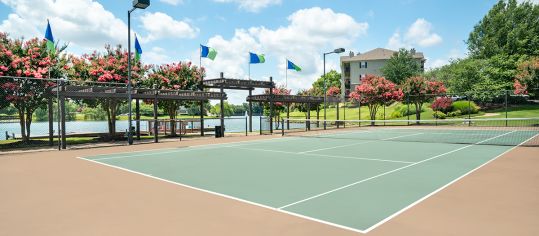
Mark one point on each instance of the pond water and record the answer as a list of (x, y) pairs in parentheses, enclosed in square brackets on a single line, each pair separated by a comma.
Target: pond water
[(232, 124)]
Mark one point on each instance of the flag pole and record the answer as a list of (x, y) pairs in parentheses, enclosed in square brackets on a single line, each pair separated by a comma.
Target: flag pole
[(200, 58), (286, 72)]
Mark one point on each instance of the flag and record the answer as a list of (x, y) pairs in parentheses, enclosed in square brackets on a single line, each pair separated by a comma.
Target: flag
[(292, 66), (255, 58), (50, 39), (207, 52), (138, 50)]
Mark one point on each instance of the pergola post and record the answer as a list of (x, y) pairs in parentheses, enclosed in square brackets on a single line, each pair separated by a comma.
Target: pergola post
[(250, 112), (308, 116), (201, 118), (317, 115), (155, 122), (63, 115), (51, 129), (222, 108), (137, 117), (271, 107), (287, 116)]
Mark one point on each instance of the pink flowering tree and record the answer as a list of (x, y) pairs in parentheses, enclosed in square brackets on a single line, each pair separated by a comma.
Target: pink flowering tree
[(106, 69), (442, 104), (30, 63), (527, 76), (278, 107), (333, 91), (175, 76), (375, 91), (420, 90)]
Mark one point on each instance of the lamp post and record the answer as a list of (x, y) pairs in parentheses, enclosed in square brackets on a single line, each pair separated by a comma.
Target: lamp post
[(140, 4), (338, 50)]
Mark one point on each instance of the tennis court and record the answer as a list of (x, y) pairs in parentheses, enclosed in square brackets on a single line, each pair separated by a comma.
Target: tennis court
[(354, 178)]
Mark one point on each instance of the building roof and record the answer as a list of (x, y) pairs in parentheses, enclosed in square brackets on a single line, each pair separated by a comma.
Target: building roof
[(376, 54)]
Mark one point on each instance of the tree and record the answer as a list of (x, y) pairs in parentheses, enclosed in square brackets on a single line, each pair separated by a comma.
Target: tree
[(228, 109), (108, 69), (419, 90), (400, 66), (509, 28), (376, 91), (175, 76), (27, 59), (527, 76), (333, 79), (333, 91)]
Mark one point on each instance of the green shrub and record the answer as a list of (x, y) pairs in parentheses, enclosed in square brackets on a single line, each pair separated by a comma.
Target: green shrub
[(465, 107), (454, 113), (401, 110), (439, 115)]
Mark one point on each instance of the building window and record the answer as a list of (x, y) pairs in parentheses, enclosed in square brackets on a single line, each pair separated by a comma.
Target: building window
[(362, 64)]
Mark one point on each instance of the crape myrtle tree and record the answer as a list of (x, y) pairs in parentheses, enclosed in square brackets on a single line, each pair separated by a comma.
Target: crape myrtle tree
[(175, 76), (109, 69), (419, 90), (303, 107), (527, 76), (29, 59), (278, 107), (376, 91)]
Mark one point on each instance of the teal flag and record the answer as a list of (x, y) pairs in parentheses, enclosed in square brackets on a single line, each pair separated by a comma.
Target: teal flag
[(207, 52), (292, 66), (256, 58), (138, 50), (50, 39)]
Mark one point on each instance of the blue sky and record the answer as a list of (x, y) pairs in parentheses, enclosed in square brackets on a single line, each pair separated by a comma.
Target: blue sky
[(171, 30)]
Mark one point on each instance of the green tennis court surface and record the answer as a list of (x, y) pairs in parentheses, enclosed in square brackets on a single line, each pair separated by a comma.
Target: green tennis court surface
[(355, 179)]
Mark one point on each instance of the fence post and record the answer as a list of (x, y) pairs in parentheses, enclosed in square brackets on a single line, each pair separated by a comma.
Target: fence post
[(282, 130), (201, 118), (359, 111), (469, 109), (271, 107), (137, 116), (260, 124), (155, 122), (506, 106), (51, 117), (408, 108), (63, 114), (246, 128)]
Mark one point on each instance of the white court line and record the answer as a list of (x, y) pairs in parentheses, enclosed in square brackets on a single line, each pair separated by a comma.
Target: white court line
[(443, 187), (281, 210), (321, 155), (388, 172), (353, 144), (228, 196), (188, 148)]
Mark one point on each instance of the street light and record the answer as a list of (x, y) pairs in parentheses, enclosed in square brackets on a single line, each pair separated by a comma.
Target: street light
[(337, 51), (140, 4)]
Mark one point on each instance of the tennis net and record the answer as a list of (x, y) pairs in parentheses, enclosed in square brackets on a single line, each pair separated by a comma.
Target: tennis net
[(502, 132)]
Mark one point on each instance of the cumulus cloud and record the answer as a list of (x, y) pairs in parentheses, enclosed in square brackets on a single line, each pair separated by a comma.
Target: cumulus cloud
[(252, 5), (308, 34), (156, 56), (69, 19), (420, 33), (173, 2), (160, 25)]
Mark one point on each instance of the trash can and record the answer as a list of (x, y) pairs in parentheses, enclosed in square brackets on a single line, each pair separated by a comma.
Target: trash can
[(218, 132)]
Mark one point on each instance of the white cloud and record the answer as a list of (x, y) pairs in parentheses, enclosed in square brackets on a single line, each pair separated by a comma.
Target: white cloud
[(419, 33), (69, 19), (439, 62), (251, 5), (160, 25), (156, 56), (309, 33), (532, 1), (173, 2)]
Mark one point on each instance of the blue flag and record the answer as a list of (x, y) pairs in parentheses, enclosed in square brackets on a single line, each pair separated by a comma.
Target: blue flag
[(207, 52), (49, 38), (292, 66), (138, 49), (256, 58)]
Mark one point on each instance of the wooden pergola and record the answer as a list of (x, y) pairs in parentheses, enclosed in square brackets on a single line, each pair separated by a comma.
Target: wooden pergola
[(223, 83), (121, 93)]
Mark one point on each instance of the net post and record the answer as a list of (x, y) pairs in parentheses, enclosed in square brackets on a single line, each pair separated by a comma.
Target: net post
[(506, 106)]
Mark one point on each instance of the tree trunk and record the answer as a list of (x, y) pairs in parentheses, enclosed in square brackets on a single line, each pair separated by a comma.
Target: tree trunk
[(418, 106), (22, 122), (372, 112), (28, 123), (113, 109), (172, 115)]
